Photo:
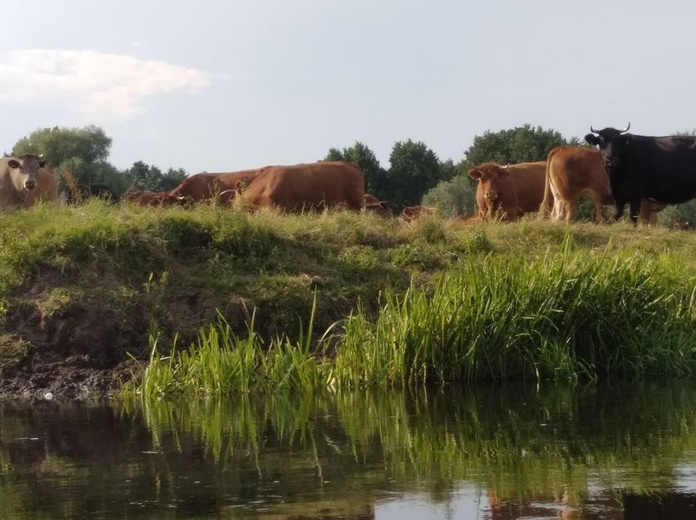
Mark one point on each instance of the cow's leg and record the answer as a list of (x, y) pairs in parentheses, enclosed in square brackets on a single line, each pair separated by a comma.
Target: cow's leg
[(646, 215), (619, 209), (599, 218), (571, 210), (635, 210)]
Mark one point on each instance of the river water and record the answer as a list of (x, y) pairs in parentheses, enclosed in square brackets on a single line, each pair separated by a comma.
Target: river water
[(486, 452)]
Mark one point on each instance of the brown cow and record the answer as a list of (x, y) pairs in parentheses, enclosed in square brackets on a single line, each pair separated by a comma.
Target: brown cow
[(46, 189), (148, 198), (312, 186), (409, 213), (17, 176), (508, 191), (383, 208), (571, 173), (211, 186)]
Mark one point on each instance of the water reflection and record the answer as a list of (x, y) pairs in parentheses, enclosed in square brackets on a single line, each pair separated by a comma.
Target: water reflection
[(487, 452)]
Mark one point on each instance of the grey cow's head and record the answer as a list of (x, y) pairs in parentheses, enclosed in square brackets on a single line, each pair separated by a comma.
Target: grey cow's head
[(610, 142), (28, 167)]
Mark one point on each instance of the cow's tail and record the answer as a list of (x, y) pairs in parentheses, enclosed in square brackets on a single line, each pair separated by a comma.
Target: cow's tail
[(547, 201)]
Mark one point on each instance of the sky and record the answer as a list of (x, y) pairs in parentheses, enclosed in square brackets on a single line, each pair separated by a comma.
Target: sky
[(223, 85)]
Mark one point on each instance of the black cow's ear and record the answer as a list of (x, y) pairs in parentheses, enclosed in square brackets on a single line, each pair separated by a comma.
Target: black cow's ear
[(625, 139), (592, 139)]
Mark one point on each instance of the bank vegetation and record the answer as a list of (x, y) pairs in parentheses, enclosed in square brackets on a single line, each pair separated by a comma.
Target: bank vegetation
[(216, 300)]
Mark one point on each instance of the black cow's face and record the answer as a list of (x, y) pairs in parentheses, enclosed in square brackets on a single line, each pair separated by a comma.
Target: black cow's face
[(611, 144)]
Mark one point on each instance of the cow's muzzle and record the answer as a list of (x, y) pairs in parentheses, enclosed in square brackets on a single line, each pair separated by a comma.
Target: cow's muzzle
[(30, 185), (491, 195)]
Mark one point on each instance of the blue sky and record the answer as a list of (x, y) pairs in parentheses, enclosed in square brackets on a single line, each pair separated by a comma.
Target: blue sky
[(217, 85)]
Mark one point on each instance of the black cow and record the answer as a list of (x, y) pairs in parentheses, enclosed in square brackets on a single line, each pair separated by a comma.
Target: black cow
[(660, 169)]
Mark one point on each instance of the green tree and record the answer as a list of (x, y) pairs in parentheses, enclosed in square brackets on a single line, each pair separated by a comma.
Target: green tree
[(143, 177), (172, 178), (453, 198), (80, 150), (106, 173), (516, 145), (414, 169), (366, 160)]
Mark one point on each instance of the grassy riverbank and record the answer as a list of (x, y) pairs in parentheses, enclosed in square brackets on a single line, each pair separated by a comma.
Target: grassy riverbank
[(93, 286)]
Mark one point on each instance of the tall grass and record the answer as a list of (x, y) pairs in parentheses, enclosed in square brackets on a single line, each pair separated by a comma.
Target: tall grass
[(564, 316), (221, 362), (574, 314)]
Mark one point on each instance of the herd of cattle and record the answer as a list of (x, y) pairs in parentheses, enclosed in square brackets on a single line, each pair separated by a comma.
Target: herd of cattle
[(647, 173)]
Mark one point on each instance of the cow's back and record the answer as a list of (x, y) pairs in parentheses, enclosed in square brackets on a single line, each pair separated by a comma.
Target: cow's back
[(526, 180), (579, 171), (307, 186), (207, 186), (196, 188)]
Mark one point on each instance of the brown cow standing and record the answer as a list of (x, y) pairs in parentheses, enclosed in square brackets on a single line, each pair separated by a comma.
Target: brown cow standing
[(46, 189), (571, 173), (508, 191), (312, 186)]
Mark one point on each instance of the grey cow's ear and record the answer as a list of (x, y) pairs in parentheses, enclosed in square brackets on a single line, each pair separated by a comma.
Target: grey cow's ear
[(42, 163), (592, 139)]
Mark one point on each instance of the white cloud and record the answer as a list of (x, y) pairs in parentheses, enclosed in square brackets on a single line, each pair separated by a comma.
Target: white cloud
[(112, 86)]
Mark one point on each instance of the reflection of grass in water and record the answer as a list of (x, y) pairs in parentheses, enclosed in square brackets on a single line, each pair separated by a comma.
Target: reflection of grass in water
[(520, 441), (570, 316)]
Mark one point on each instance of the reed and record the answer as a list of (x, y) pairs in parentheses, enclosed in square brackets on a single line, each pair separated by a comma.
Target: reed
[(563, 316), (220, 362)]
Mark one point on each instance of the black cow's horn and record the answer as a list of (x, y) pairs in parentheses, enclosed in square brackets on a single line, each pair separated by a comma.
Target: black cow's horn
[(593, 130), (626, 130)]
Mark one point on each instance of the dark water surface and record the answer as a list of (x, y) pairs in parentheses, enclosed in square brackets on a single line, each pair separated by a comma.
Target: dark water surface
[(498, 452)]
